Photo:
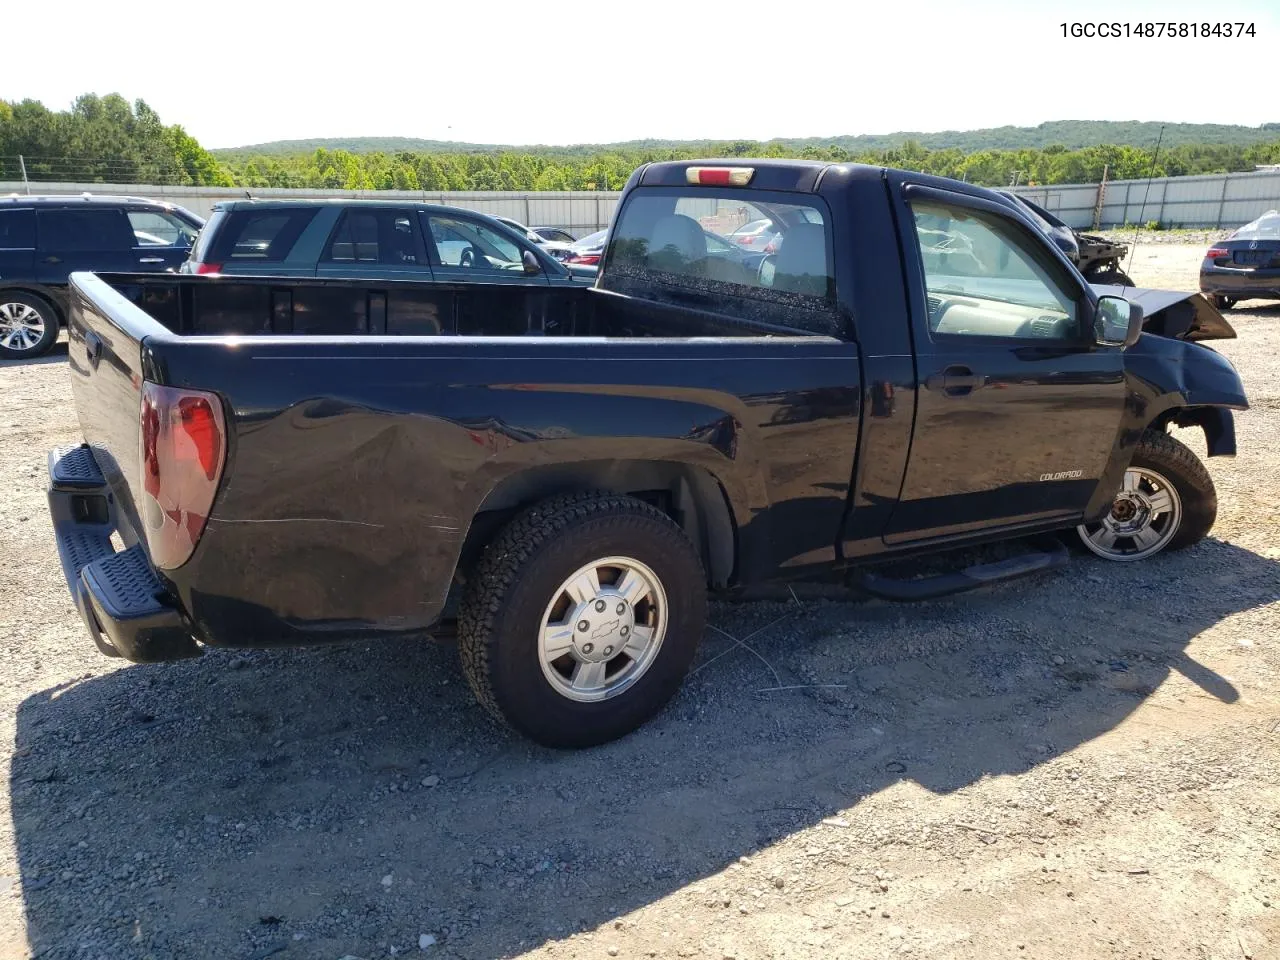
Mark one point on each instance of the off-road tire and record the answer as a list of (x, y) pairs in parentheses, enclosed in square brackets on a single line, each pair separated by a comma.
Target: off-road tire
[(516, 577)]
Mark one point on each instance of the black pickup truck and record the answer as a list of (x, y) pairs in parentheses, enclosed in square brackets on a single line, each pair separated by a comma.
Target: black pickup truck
[(564, 471)]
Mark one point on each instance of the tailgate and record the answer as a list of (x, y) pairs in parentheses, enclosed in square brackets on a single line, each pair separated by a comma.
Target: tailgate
[(105, 335)]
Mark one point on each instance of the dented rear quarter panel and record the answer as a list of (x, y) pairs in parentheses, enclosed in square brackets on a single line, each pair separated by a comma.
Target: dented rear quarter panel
[(355, 468)]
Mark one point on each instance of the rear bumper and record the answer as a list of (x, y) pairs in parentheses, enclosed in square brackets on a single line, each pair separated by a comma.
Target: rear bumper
[(128, 611), (1241, 284)]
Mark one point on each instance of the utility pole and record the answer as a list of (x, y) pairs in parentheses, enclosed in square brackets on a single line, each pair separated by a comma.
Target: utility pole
[(23, 165), (1102, 196)]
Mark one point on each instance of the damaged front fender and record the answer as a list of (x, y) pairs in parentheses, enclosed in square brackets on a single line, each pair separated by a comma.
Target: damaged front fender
[(1185, 383)]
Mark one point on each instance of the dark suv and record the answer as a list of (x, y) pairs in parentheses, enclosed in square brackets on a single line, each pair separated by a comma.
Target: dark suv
[(371, 240), (44, 239)]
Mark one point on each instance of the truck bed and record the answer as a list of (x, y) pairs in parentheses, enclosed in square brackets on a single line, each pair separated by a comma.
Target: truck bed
[(267, 306), (372, 426)]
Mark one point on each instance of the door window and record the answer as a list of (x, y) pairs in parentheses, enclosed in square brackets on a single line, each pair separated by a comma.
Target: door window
[(70, 231), (154, 228), (374, 236), (17, 229), (461, 242), (984, 278)]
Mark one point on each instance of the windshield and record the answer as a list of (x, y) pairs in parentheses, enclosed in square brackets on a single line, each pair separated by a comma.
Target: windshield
[(592, 240)]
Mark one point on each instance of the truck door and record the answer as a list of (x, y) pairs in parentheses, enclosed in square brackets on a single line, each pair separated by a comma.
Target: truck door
[(1018, 409)]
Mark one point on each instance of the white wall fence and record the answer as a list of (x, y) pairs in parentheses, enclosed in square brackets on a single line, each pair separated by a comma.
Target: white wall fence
[(579, 212), (1213, 200)]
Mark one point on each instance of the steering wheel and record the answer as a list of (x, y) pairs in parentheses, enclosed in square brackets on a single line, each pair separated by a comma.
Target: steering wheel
[(471, 257)]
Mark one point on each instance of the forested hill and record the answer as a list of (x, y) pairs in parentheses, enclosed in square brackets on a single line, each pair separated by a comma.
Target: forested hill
[(1071, 134), (106, 139)]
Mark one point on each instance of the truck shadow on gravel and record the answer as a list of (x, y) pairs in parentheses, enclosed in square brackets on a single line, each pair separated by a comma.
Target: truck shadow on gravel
[(347, 800)]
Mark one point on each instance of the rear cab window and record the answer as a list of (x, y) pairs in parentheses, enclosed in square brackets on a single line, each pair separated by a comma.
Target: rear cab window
[(252, 236), (708, 249)]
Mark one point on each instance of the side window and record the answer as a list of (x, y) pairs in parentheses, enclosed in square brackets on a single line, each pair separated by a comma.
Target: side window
[(259, 235), (17, 229), (355, 240), (374, 236), (984, 278), (752, 255), (461, 242), (154, 228), (71, 231)]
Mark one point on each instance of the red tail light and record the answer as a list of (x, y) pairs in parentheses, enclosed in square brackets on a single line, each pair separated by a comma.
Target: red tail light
[(208, 267), (745, 241), (1217, 253), (590, 259), (184, 444)]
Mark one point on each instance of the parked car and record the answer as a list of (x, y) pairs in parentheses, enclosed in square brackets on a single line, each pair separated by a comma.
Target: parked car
[(566, 471), (1096, 257), (1245, 266), (1053, 228), (538, 234), (588, 250), (44, 238), (384, 239), (552, 235), (754, 235)]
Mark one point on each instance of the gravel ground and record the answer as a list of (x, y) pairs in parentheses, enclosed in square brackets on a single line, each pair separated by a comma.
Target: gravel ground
[(1084, 765)]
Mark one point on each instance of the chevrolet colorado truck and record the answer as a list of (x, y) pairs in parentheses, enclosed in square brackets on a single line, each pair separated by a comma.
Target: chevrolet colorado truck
[(564, 472)]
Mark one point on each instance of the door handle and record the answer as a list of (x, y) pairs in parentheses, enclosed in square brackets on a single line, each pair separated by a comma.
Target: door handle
[(956, 381), (151, 259), (93, 348), (52, 259)]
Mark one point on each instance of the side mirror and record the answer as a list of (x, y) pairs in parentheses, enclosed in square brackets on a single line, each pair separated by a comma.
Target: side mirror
[(531, 264), (1117, 322)]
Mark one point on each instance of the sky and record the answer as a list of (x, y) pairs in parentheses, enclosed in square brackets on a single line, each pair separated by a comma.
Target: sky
[(565, 71)]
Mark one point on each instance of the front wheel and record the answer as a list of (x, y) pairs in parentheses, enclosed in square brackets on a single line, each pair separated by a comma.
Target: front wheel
[(1166, 502), (582, 618), (1223, 303), (1114, 276)]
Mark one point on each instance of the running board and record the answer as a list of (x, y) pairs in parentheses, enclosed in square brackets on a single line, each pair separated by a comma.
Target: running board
[(970, 578)]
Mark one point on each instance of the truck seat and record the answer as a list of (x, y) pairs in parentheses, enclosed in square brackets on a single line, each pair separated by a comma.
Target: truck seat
[(677, 245), (801, 266)]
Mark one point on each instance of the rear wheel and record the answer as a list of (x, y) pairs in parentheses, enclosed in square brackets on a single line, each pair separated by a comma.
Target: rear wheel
[(28, 326), (1223, 303), (1166, 502), (582, 618)]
